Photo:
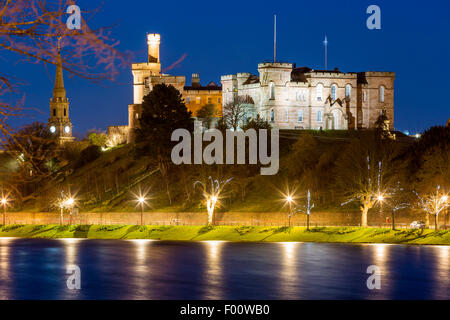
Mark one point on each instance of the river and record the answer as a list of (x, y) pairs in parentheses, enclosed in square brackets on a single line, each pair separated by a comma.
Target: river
[(144, 269)]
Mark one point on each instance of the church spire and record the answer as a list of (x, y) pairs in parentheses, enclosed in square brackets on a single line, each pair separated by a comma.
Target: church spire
[(59, 91)]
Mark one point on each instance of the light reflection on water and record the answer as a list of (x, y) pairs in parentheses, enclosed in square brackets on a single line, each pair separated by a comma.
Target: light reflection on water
[(144, 269)]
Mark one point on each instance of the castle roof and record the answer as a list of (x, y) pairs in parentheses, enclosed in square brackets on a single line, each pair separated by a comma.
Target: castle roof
[(211, 86), (251, 80), (298, 74)]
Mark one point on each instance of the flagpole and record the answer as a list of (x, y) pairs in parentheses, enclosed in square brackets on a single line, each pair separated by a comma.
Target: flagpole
[(275, 39)]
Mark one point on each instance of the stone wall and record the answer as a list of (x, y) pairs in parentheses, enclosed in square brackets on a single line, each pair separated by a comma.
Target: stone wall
[(200, 218)]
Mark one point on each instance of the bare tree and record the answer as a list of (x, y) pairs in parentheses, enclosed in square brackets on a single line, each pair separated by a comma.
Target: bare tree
[(234, 111), (35, 30), (363, 174)]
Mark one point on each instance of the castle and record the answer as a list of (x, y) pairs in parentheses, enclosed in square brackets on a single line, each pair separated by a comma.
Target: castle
[(283, 94), (148, 74), (286, 96), (302, 98)]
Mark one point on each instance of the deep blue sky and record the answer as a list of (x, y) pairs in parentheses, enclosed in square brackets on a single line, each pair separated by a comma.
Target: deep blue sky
[(233, 36)]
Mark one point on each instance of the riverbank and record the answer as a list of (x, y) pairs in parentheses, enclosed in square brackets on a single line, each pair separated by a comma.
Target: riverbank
[(230, 233)]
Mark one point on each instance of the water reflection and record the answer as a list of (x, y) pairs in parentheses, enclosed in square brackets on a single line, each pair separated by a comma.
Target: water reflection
[(4, 266), (36, 269), (213, 270), (442, 279), (141, 271), (289, 277)]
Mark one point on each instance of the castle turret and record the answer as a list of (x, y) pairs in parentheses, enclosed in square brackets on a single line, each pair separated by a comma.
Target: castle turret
[(59, 123), (153, 41)]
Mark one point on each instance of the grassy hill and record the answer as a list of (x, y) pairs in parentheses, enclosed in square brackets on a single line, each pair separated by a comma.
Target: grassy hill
[(111, 182)]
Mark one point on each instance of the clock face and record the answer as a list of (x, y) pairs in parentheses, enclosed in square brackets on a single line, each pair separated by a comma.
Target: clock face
[(52, 129), (67, 129)]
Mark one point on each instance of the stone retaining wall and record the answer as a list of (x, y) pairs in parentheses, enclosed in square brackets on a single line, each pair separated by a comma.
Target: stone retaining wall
[(200, 218)]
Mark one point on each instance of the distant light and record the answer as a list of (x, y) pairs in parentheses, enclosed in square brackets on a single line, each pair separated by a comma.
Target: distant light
[(52, 129), (406, 132), (444, 198), (4, 201), (70, 201), (214, 198), (67, 129), (380, 198), (141, 200), (289, 199), (417, 135)]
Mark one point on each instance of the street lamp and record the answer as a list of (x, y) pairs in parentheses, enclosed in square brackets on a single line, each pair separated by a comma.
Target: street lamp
[(289, 201), (380, 199), (69, 204), (4, 203), (141, 201)]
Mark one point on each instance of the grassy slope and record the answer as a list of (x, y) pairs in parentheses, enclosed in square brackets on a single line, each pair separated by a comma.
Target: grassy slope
[(228, 233)]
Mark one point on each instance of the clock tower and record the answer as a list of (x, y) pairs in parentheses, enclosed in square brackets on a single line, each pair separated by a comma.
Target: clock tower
[(59, 123)]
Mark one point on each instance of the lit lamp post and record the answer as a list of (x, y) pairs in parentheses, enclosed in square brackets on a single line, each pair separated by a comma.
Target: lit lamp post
[(380, 199), (141, 201), (4, 203), (69, 204), (289, 201)]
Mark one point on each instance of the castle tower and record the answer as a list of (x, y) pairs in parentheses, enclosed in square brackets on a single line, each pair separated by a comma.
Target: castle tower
[(153, 41), (59, 123)]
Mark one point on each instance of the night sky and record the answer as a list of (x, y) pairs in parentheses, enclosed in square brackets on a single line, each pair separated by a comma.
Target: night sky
[(226, 37)]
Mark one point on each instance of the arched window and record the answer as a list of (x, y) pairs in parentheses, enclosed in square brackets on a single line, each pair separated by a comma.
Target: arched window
[(364, 96), (300, 115), (319, 92), (333, 92), (54, 112), (348, 91), (381, 94), (272, 91), (272, 115), (65, 112), (319, 116)]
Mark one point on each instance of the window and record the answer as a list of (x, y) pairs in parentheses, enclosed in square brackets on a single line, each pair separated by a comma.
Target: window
[(319, 116), (54, 112), (364, 96), (286, 114), (209, 100), (272, 115), (65, 112), (136, 115), (381, 94), (333, 92), (297, 96), (300, 115), (348, 91), (319, 92), (198, 100), (219, 100), (272, 91), (188, 100)]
